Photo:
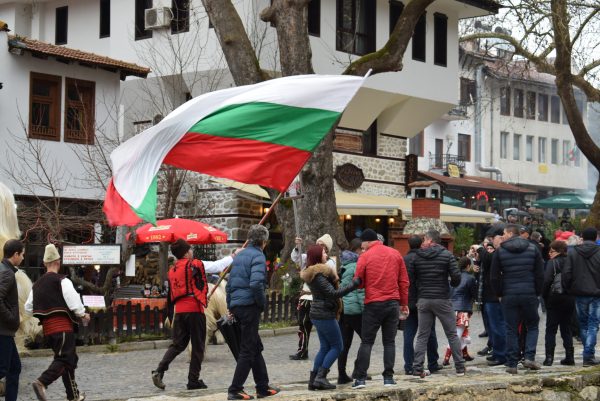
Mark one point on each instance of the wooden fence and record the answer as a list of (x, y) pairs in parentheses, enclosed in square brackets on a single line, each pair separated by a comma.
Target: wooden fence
[(132, 322)]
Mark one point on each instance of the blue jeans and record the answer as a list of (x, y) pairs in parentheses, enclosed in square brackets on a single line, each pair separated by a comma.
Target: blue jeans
[(410, 331), (496, 329), (331, 344), (517, 309), (10, 366), (588, 314)]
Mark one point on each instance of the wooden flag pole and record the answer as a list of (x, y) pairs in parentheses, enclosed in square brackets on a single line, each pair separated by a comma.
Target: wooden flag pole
[(262, 221)]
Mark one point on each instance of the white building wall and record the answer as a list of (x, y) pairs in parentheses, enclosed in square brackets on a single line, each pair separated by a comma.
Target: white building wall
[(59, 156)]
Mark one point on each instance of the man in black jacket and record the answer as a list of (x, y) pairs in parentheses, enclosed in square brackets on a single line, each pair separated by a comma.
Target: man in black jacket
[(517, 277), (10, 364), (581, 277), (429, 272), (412, 321)]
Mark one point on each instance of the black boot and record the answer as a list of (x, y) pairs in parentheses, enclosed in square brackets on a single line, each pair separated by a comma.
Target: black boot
[(569, 357), (321, 382), (311, 381), (343, 378), (549, 356)]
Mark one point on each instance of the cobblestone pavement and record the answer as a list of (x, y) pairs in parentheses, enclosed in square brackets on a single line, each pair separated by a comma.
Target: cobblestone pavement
[(119, 376)]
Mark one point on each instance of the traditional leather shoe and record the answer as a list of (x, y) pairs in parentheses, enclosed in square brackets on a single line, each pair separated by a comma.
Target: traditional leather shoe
[(40, 390), (299, 357), (199, 385), (495, 362), (533, 365), (157, 379)]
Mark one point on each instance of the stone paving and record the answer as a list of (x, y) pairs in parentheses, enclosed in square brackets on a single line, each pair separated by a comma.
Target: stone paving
[(126, 375)]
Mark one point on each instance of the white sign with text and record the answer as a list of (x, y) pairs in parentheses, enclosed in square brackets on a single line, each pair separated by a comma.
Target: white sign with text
[(91, 255)]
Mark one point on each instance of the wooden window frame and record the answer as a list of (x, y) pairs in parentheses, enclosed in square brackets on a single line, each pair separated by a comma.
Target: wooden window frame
[(88, 106), (467, 155), (542, 148), (543, 106), (140, 31), (440, 39), (519, 103), (554, 151), (314, 18), (555, 102), (504, 145), (530, 105), (419, 39), (517, 146), (369, 147), (104, 19), (396, 9), (529, 140), (505, 100), (181, 16), (54, 100), (58, 29), (369, 37)]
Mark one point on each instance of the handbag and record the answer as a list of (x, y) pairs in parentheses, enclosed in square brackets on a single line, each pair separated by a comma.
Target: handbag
[(556, 286)]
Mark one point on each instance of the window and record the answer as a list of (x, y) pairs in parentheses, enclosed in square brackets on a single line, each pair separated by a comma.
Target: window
[(464, 147), (355, 26), (554, 154), (467, 91), (396, 8), (44, 107), (529, 148), (61, 27), (555, 109), (542, 150), (104, 18), (415, 144), (419, 39), (504, 145), (440, 39), (79, 111), (370, 140), (542, 107), (517, 147), (579, 103), (564, 117), (531, 102), (566, 155), (181, 16), (576, 156), (314, 17), (140, 19), (518, 112), (505, 101)]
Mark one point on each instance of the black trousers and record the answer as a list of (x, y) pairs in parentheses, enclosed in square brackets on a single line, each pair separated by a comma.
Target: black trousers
[(304, 325), (349, 324), (64, 363), (251, 348), (186, 327), (558, 314), (10, 367)]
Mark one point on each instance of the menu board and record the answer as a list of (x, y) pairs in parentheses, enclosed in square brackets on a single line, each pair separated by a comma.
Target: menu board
[(91, 254)]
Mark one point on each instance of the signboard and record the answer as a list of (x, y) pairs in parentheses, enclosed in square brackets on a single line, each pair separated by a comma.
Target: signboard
[(91, 255), (94, 301), (453, 170)]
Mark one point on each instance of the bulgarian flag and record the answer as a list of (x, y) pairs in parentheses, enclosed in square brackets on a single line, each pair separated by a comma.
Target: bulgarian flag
[(257, 134)]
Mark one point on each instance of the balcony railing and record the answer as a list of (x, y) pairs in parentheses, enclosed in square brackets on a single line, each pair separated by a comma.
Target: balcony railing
[(441, 161)]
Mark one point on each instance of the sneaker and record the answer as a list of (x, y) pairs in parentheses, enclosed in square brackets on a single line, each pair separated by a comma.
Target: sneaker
[(157, 379), (358, 384), (239, 395), (299, 357), (512, 371), (590, 362), (40, 390), (423, 374), (269, 392), (389, 381), (461, 371), (533, 365), (484, 351), (199, 385)]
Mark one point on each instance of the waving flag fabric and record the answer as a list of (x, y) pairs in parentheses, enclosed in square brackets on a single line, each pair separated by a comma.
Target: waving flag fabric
[(257, 134)]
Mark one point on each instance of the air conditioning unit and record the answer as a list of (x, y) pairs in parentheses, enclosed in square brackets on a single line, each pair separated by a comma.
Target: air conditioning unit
[(156, 18)]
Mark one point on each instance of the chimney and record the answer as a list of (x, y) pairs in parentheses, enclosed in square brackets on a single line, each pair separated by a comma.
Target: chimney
[(426, 199)]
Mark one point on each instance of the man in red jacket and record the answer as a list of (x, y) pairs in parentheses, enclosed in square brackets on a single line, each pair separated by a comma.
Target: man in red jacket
[(383, 275)]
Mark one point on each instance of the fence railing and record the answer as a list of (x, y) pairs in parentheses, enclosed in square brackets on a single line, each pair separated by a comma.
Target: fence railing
[(134, 322)]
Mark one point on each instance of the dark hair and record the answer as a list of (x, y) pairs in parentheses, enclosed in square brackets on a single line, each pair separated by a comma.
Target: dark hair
[(464, 263), (314, 255), (434, 236), (512, 229), (589, 234), (414, 241), (354, 244), (11, 247), (179, 248), (559, 246)]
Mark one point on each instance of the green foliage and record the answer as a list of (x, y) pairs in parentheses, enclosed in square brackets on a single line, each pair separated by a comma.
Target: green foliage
[(295, 285), (463, 239)]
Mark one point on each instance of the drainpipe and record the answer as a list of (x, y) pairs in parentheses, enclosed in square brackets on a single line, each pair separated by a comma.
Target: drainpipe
[(478, 124)]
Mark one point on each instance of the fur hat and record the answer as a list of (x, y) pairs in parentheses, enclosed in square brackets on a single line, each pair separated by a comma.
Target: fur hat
[(179, 248), (51, 253), (369, 235), (327, 241)]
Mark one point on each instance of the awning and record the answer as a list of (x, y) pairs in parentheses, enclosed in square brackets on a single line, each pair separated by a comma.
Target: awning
[(353, 203), (475, 182)]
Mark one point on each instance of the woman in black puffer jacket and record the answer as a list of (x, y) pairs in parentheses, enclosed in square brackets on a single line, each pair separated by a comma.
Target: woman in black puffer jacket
[(559, 306), (325, 309)]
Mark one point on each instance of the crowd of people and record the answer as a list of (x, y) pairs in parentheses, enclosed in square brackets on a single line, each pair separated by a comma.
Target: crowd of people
[(376, 288)]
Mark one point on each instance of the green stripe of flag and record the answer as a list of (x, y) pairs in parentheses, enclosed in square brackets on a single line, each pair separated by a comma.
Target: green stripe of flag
[(147, 209), (298, 127)]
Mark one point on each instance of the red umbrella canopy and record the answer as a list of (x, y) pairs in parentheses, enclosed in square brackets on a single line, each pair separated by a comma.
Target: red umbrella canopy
[(170, 230)]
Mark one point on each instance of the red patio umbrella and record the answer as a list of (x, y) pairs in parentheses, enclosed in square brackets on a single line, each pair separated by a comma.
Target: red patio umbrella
[(170, 230)]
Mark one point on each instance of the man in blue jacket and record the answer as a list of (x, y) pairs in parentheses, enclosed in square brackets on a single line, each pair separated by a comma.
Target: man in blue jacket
[(517, 277), (246, 301)]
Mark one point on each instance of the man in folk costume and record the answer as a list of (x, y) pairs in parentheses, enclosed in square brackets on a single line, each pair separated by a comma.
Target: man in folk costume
[(55, 302), (188, 286)]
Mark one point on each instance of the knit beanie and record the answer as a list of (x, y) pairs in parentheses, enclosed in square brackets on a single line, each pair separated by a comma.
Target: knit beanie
[(327, 241), (369, 235)]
